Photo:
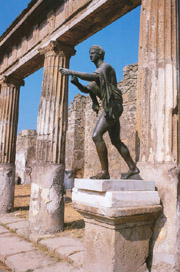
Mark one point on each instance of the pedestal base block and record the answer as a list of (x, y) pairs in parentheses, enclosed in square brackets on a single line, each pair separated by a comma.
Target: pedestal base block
[(117, 233), (7, 178), (46, 213)]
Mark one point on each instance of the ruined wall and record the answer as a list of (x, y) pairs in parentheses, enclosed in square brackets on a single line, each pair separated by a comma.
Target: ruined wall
[(25, 155), (77, 146), (76, 135)]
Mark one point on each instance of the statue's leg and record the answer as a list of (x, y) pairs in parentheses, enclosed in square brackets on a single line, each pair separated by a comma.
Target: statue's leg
[(114, 133), (101, 127)]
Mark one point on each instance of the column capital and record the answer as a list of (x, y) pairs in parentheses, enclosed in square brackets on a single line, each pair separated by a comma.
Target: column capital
[(10, 80), (57, 48)]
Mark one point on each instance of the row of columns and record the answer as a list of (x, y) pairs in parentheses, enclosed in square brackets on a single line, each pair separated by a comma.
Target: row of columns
[(46, 208)]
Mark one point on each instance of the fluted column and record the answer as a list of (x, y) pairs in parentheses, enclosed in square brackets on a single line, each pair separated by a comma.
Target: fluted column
[(157, 123), (158, 81), (48, 175), (9, 109)]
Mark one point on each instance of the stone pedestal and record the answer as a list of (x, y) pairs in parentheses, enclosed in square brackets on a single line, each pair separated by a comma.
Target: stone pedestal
[(119, 217)]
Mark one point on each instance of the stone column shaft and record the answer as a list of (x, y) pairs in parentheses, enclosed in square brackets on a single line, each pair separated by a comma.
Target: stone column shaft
[(47, 203), (157, 123), (9, 109), (52, 118), (157, 81)]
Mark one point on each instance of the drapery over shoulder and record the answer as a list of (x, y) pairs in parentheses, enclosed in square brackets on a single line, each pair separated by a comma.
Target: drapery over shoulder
[(111, 96)]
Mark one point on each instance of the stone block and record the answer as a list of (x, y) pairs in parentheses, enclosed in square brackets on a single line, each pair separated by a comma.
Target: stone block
[(117, 199), (28, 261), (114, 185), (115, 193), (77, 258), (9, 219), (60, 266), (64, 247), (19, 225), (3, 230), (10, 245)]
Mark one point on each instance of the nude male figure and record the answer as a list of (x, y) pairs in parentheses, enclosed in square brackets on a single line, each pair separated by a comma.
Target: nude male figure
[(103, 83)]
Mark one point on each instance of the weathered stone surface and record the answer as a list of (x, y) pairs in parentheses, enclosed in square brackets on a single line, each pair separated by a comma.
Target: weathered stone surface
[(116, 199), (124, 249), (9, 219), (23, 262), (25, 155), (58, 267), (75, 157), (46, 213), (115, 243), (3, 230), (77, 258), (114, 185), (19, 225), (63, 246), (10, 245), (7, 176), (115, 194)]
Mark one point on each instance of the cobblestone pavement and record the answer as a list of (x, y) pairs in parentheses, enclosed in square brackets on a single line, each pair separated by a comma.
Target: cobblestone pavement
[(22, 251)]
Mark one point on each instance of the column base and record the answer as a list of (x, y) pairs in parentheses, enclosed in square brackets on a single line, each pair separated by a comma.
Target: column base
[(119, 223), (46, 213), (7, 179)]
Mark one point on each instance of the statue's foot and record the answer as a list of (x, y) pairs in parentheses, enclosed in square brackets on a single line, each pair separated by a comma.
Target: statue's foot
[(131, 173), (101, 176)]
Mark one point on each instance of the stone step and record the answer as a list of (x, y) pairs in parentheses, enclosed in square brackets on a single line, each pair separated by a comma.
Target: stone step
[(114, 185)]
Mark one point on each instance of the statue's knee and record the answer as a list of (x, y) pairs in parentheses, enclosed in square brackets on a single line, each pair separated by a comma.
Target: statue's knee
[(115, 141), (96, 137)]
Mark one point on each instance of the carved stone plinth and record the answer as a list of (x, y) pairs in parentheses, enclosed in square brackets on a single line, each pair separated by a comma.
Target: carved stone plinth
[(119, 216), (46, 213), (7, 175)]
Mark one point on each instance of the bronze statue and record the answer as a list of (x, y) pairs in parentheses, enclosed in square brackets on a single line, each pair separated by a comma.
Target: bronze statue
[(103, 83)]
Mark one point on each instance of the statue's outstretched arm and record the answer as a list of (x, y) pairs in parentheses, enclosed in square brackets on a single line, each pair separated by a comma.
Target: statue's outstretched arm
[(81, 75)]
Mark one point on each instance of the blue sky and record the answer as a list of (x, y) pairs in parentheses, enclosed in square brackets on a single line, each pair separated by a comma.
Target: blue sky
[(120, 41)]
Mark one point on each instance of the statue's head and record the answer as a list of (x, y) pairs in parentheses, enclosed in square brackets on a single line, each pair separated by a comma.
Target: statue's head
[(99, 50)]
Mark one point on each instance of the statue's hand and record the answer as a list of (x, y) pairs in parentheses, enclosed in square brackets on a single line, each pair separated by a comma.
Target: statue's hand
[(74, 80), (65, 71), (95, 107)]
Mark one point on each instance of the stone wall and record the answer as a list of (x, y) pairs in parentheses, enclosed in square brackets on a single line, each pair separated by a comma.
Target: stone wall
[(25, 155), (81, 124)]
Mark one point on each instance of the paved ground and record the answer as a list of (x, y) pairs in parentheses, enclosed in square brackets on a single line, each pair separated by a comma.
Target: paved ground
[(3, 268), (22, 251)]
